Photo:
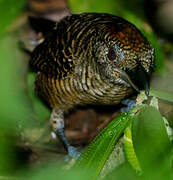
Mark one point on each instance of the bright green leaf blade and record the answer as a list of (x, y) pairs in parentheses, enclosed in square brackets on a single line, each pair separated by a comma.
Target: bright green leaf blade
[(151, 144), (129, 149), (94, 157), (9, 9), (162, 95)]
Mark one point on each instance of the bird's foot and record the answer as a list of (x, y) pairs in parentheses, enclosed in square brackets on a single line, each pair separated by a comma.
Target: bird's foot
[(129, 103), (57, 120), (72, 153)]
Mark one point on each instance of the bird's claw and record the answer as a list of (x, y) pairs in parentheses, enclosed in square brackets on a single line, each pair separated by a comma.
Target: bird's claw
[(129, 103), (72, 153)]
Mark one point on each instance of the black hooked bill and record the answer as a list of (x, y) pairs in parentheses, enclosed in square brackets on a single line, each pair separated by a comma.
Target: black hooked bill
[(140, 78)]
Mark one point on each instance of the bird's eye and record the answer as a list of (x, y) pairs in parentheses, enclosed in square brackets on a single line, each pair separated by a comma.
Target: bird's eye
[(112, 55)]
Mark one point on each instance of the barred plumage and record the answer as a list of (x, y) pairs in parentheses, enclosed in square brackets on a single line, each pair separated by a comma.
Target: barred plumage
[(68, 60), (90, 58)]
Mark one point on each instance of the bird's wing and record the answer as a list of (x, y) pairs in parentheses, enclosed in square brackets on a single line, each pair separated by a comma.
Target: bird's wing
[(53, 57)]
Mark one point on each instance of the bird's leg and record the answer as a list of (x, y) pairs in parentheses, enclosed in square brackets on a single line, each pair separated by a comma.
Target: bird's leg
[(57, 121), (129, 103)]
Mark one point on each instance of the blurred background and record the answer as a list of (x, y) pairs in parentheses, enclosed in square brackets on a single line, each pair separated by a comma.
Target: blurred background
[(25, 141)]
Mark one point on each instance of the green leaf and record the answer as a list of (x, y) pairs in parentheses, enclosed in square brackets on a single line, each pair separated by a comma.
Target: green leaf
[(40, 109), (129, 149), (162, 94), (15, 105), (78, 6), (151, 144), (9, 9), (53, 171), (94, 157), (8, 157), (123, 172)]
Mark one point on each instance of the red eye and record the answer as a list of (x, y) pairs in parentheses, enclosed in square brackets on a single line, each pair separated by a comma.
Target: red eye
[(111, 54)]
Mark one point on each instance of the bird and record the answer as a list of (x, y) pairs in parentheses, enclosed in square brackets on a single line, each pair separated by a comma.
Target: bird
[(90, 59)]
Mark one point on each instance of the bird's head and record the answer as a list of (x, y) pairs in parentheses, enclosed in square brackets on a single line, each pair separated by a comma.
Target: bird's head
[(127, 55)]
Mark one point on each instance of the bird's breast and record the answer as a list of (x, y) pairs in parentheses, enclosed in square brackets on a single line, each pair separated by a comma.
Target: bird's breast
[(78, 90)]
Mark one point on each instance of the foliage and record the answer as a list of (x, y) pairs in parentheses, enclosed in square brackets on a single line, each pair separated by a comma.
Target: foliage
[(8, 11), (150, 141), (16, 108), (99, 150)]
